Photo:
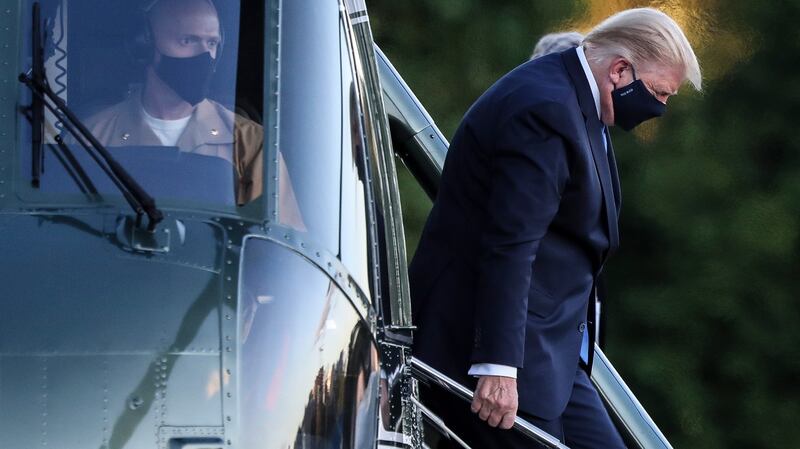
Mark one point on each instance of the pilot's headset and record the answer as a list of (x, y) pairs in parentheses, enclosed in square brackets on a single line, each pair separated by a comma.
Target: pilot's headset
[(140, 42)]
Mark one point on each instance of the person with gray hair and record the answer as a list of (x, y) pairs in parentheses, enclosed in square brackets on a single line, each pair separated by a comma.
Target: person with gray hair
[(556, 43), (504, 277)]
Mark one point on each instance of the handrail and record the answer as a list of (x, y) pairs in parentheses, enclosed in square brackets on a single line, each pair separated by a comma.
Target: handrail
[(632, 419), (427, 373)]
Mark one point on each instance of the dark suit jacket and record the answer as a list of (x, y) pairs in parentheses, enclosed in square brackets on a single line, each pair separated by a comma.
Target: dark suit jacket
[(524, 219)]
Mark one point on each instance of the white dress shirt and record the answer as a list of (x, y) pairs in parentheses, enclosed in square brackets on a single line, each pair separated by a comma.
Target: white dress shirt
[(493, 369)]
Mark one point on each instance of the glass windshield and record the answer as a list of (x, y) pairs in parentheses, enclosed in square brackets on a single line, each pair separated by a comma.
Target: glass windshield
[(159, 83)]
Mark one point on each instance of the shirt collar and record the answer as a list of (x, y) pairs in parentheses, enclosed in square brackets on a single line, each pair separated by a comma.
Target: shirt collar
[(590, 76)]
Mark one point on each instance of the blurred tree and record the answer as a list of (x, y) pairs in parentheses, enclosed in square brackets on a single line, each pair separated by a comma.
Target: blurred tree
[(702, 315)]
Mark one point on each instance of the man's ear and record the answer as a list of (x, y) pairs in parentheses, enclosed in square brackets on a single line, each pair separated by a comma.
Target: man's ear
[(618, 66)]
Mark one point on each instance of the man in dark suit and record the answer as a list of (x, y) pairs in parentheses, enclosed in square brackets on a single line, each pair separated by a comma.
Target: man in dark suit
[(525, 218)]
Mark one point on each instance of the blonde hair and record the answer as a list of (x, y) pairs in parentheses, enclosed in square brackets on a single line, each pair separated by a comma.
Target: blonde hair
[(644, 36)]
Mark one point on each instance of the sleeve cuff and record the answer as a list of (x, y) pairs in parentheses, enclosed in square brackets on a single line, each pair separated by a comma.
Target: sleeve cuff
[(492, 369)]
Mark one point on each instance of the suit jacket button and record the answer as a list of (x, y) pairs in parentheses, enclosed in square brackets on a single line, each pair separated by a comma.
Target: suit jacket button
[(581, 327)]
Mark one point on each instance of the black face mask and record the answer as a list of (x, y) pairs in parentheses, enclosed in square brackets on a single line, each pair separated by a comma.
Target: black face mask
[(188, 77), (634, 104)]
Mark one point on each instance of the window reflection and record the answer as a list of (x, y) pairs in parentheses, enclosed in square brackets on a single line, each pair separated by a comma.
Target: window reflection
[(310, 119), (309, 367)]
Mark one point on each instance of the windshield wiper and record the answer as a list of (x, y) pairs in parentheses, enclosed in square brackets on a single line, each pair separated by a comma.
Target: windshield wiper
[(37, 106), (140, 201), (137, 197)]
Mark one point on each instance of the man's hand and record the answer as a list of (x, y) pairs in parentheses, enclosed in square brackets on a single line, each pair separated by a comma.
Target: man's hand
[(495, 400)]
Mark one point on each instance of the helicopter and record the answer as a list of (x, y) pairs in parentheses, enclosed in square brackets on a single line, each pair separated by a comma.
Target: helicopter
[(240, 282)]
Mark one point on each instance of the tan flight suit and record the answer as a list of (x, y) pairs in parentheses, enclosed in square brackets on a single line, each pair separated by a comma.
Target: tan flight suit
[(213, 130)]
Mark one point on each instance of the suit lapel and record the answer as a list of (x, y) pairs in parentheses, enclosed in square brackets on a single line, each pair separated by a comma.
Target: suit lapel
[(594, 129), (612, 162)]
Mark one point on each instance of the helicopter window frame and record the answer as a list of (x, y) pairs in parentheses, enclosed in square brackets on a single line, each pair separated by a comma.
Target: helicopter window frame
[(354, 229)]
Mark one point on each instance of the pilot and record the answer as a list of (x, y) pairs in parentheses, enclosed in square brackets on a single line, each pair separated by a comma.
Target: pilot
[(183, 40)]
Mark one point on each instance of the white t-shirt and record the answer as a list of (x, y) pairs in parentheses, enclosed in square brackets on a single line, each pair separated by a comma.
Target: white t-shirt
[(167, 131)]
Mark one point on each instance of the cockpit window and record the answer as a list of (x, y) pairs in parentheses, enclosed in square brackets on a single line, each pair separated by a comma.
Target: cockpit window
[(161, 85)]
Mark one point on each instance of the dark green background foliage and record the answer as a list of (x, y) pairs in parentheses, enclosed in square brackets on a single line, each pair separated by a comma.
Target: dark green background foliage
[(702, 314)]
